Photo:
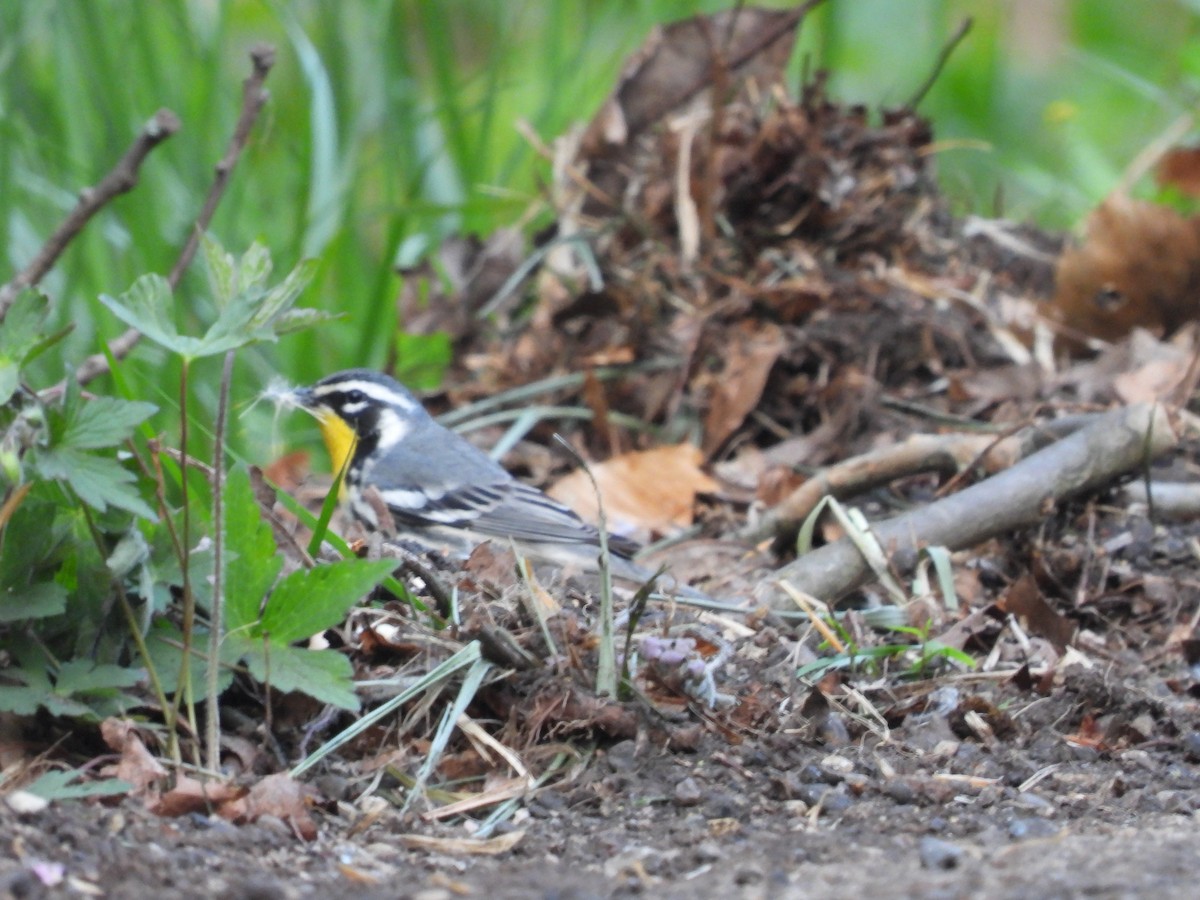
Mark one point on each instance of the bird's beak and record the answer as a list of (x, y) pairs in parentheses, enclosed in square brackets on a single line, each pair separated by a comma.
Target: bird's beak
[(339, 437), (303, 396)]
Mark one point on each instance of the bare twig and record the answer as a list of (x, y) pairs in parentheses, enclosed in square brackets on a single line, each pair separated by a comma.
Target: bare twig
[(254, 96), (951, 455), (120, 180), (1115, 444), (940, 62)]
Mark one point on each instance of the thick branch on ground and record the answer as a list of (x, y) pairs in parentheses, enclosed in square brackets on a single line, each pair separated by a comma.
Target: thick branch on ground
[(1116, 444), (1168, 500), (120, 180), (945, 454), (254, 96)]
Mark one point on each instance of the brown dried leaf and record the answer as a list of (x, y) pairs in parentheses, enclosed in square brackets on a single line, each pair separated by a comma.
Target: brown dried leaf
[(645, 492), (277, 795), (1024, 600), (137, 765)]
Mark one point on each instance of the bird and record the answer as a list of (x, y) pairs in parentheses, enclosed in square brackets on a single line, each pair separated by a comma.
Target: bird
[(438, 488)]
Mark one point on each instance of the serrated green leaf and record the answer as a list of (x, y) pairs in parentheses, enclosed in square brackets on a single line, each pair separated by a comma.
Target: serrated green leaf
[(32, 601), (99, 481), (232, 329), (147, 306), (253, 561), (324, 674), (82, 676), (21, 700), (309, 601), (105, 422), (279, 299)]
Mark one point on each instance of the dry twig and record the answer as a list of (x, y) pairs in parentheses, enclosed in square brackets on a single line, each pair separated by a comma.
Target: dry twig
[(1116, 444), (122, 179)]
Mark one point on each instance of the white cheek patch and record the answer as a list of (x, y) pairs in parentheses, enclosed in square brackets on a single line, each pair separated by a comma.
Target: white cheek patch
[(392, 429), (353, 409)]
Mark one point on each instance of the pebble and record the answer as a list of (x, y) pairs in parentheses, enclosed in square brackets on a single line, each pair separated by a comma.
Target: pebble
[(1024, 828), (1191, 746), (622, 756), (938, 854), (688, 792), (899, 790)]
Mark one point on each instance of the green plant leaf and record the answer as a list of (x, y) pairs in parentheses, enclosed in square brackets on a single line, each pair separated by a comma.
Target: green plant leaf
[(281, 298), (59, 785), (105, 422), (20, 335), (165, 643), (309, 601), (32, 601), (253, 562), (146, 306), (99, 481), (324, 674)]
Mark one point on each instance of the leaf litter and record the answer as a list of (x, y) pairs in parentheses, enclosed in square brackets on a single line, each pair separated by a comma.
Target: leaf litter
[(787, 301)]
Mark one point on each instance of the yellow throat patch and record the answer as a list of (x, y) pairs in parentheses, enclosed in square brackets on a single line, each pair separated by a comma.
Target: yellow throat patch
[(339, 439)]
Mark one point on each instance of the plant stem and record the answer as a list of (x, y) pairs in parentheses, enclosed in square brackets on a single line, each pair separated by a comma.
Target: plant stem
[(212, 710)]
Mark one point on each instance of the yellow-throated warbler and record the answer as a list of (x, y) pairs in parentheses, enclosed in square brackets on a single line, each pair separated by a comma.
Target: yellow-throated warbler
[(439, 489)]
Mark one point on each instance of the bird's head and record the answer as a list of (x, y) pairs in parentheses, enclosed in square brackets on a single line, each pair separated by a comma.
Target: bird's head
[(359, 409)]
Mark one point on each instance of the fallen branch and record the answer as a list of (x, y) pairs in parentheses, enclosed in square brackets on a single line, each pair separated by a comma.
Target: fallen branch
[(1168, 500), (945, 454), (122, 179), (1116, 444), (254, 96)]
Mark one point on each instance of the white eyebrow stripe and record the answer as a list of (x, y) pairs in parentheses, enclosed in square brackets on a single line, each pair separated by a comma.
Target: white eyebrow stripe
[(371, 389)]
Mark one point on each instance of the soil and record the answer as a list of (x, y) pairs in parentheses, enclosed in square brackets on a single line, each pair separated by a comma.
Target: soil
[(922, 814)]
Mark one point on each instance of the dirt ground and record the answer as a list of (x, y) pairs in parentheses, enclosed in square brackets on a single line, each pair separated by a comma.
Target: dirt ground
[(923, 814)]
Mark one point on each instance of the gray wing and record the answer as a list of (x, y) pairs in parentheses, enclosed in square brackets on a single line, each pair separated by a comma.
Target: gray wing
[(436, 479)]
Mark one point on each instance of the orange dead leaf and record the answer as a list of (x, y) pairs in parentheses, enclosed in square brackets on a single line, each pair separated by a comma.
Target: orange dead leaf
[(1139, 266), (645, 492)]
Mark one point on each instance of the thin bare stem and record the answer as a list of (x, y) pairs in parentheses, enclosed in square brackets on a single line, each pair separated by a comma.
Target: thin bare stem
[(122, 178), (940, 63), (212, 710), (185, 563)]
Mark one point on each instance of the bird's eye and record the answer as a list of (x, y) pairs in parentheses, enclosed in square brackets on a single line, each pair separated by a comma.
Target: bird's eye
[(355, 397)]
